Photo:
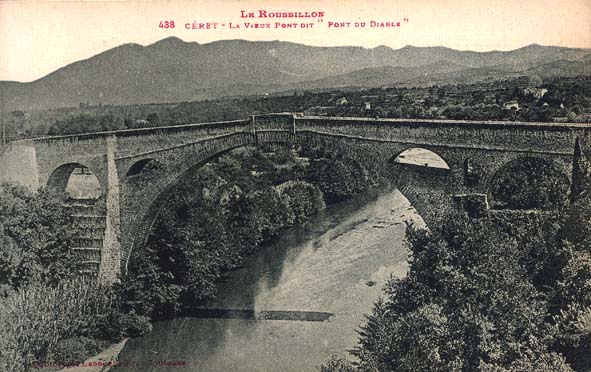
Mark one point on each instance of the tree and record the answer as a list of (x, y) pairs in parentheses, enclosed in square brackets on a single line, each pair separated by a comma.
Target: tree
[(154, 119), (35, 236), (85, 123), (468, 303), (530, 183), (338, 179)]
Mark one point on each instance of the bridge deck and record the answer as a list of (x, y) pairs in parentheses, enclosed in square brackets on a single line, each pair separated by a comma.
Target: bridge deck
[(490, 124)]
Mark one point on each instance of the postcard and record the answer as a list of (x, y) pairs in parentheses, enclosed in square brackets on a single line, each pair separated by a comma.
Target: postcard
[(264, 186)]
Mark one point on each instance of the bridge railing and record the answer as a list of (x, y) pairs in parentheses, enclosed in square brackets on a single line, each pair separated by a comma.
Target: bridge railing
[(243, 124)]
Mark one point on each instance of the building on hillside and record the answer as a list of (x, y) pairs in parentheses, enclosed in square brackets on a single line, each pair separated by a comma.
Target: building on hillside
[(560, 119), (511, 105), (536, 92), (320, 110)]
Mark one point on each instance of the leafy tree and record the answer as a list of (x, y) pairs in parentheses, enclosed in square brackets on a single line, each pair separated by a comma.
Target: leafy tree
[(153, 119), (85, 123), (336, 364), (530, 183), (35, 236), (467, 304), (303, 198), (338, 179)]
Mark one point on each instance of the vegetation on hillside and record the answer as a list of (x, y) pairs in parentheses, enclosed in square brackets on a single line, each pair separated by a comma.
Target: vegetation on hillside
[(496, 294), (49, 314), (552, 99)]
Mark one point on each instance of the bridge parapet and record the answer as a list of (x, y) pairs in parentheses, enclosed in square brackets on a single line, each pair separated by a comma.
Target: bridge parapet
[(18, 164), (493, 135), (274, 122)]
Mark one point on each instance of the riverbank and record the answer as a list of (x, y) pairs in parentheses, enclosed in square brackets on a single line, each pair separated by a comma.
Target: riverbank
[(101, 362)]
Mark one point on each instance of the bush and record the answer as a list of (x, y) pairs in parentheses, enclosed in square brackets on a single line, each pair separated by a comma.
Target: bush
[(34, 237), (304, 199), (530, 183), (35, 318), (338, 179), (115, 326), (336, 364), (75, 350), (468, 303)]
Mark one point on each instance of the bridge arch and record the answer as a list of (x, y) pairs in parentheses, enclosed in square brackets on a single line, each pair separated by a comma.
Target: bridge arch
[(415, 183), (528, 182), (146, 217), (141, 166), (77, 180), (420, 156), (169, 174), (428, 189)]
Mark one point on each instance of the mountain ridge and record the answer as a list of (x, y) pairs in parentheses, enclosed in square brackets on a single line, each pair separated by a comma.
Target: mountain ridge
[(172, 70)]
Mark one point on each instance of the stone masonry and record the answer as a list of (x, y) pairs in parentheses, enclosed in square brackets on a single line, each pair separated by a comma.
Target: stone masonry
[(474, 151)]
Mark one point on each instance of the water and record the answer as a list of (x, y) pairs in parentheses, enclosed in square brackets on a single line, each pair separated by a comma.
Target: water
[(294, 304)]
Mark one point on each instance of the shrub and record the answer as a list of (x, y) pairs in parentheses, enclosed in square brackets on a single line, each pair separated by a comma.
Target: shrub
[(467, 304), (336, 364), (530, 183), (75, 350), (303, 198), (338, 179), (116, 326), (35, 318), (34, 236)]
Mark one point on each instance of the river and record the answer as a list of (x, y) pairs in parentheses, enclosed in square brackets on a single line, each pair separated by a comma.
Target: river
[(296, 302)]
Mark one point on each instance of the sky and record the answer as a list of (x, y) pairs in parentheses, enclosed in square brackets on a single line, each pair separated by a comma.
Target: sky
[(38, 37)]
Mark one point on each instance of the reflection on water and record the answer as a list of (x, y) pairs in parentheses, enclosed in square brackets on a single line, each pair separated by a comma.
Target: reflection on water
[(335, 265), (250, 314)]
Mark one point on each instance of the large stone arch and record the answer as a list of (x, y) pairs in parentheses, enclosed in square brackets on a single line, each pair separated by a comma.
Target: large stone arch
[(156, 187), (144, 194), (431, 191)]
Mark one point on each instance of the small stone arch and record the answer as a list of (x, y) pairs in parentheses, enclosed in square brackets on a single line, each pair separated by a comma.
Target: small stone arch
[(560, 186), (141, 166), (77, 180), (421, 157)]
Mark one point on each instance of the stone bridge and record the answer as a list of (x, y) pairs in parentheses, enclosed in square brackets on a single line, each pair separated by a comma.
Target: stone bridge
[(120, 220)]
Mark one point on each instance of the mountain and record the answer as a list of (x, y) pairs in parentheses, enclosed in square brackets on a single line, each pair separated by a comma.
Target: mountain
[(433, 73), (172, 70), (563, 68)]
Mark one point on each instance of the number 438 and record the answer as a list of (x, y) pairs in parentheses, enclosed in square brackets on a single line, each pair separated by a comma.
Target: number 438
[(166, 24)]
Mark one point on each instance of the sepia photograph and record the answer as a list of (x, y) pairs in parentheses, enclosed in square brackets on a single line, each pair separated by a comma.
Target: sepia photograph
[(295, 186)]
